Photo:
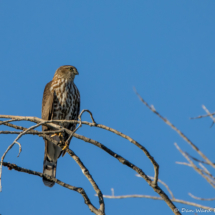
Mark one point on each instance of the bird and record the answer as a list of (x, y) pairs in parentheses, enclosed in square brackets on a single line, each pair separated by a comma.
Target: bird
[(61, 101)]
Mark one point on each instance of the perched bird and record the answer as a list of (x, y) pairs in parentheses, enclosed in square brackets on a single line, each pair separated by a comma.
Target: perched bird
[(61, 100)]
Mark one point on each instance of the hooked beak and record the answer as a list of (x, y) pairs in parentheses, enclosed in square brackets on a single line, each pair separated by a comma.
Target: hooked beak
[(76, 72)]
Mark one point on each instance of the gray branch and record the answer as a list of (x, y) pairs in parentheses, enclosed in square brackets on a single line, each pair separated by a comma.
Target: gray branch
[(56, 127)]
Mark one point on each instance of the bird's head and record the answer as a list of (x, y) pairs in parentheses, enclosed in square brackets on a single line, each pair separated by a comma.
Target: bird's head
[(67, 72)]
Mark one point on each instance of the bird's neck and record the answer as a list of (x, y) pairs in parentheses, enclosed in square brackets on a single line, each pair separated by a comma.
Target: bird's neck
[(61, 84)]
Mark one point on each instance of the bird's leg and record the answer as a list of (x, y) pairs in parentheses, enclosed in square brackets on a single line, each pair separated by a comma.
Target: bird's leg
[(66, 145), (60, 136)]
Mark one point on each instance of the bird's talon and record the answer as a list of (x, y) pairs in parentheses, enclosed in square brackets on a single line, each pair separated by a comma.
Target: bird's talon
[(60, 135), (66, 145)]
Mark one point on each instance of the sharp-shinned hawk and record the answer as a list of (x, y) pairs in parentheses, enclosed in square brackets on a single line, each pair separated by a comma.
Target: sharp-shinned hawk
[(61, 100)]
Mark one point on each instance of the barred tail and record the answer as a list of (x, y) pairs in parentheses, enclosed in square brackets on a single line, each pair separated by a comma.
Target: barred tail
[(49, 168)]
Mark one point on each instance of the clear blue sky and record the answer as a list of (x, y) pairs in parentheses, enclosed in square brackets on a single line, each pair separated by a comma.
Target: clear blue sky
[(164, 48)]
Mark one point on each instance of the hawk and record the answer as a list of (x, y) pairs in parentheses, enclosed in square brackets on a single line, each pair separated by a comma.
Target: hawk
[(61, 100)]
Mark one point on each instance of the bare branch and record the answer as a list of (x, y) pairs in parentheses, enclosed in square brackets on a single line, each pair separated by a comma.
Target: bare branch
[(51, 124), (72, 134), (173, 199), (12, 125), (176, 129), (170, 192), (208, 112), (20, 148), (91, 115), (5, 122), (201, 116), (195, 159), (201, 172), (77, 189), (202, 199), (89, 177), (74, 156), (14, 142), (165, 185), (206, 170), (183, 163), (122, 160), (39, 133), (159, 198)]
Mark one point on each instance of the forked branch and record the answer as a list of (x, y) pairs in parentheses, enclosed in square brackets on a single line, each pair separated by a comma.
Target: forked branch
[(176, 129), (53, 124)]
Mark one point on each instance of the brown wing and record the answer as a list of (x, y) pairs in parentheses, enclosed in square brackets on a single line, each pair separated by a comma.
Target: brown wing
[(52, 152), (47, 104)]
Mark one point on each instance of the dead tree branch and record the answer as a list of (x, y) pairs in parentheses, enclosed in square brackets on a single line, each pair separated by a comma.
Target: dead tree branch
[(202, 116), (56, 127), (208, 112), (72, 154), (208, 177), (176, 129), (158, 198), (202, 199), (173, 199), (93, 124), (195, 159)]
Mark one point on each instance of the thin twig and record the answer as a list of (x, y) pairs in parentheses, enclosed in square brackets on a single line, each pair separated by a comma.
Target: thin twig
[(195, 159), (91, 115), (80, 123), (195, 167), (205, 169), (165, 185), (201, 116), (5, 122), (32, 132), (14, 142), (176, 129), (202, 199), (112, 191), (71, 135), (183, 163), (89, 177), (159, 198), (20, 148), (208, 112)]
